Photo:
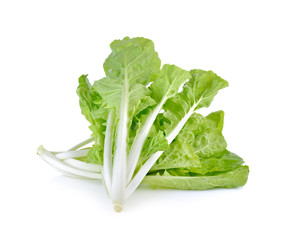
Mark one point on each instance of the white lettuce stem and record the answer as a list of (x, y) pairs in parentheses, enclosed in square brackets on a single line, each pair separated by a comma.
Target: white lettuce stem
[(108, 144), (138, 178), (72, 154), (89, 140), (139, 140), (90, 167), (120, 156), (72, 167), (64, 167)]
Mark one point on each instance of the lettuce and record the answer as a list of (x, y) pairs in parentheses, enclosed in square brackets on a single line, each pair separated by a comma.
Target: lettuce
[(146, 127)]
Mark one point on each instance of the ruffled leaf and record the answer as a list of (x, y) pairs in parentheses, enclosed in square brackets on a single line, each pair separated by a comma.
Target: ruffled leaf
[(197, 93), (180, 154)]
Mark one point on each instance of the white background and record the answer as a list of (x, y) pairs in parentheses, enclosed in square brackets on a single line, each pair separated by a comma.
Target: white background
[(46, 45)]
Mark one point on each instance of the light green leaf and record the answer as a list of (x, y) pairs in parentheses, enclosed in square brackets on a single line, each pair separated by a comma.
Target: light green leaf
[(95, 155), (166, 85), (223, 162), (197, 93), (205, 86), (231, 179), (132, 65), (144, 107), (134, 59), (91, 108), (180, 154), (153, 143), (199, 138), (86, 98), (217, 118), (209, 142), (168, 82), (203, 135)]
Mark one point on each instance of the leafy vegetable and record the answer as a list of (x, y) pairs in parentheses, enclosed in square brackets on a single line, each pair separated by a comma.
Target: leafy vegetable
[(146, 128)]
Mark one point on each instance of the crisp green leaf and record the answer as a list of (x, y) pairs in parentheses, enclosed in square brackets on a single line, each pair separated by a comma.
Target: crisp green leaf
[(231, 179), (203, 135), (147, 103), (217, 118), (223, 162), (200, 138), (153, 143), (91, 108), (86, 100), (168, 82), (134, 59), (95, 155), (209, 142), (198, 92), (132, 65), (205, 86), (180, 154), (166, 85)]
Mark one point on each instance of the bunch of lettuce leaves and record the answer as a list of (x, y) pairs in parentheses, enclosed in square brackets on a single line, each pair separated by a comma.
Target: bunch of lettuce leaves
[(146, 125)]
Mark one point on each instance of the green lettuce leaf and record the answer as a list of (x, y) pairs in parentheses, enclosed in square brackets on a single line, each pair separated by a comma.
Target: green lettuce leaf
[(132, 65), (168, 82), (217, 118), (232, 179), (198, 92), (223, 162), (91, 108), (204, 136), (180, 154), (95, 155), (199, 148), (165, 86), (153, 143)]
